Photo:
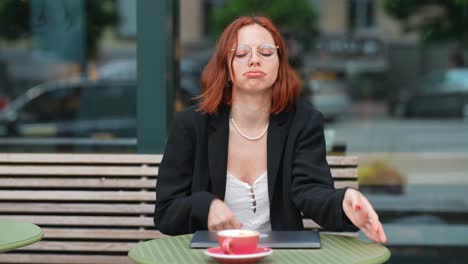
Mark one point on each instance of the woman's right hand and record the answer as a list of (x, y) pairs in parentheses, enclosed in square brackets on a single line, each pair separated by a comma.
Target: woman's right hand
[(220, 217)]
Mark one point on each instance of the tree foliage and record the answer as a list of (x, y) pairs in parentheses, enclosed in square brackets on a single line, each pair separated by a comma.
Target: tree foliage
[(436, 20), (99, 14), (14, 19), (297, 17)]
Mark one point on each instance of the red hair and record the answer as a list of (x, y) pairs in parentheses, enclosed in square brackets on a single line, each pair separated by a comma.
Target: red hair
[(215, 76)]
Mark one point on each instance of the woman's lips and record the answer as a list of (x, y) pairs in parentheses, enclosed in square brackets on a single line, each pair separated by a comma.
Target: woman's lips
[(254, 74)]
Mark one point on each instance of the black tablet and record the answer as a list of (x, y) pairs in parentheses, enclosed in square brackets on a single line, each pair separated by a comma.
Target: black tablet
[(271, 239)]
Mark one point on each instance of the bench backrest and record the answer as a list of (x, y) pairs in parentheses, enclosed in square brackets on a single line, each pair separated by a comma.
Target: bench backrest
[(93, 207)]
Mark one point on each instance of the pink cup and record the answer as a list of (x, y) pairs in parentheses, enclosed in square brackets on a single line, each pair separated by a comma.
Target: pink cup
[(238, 241)]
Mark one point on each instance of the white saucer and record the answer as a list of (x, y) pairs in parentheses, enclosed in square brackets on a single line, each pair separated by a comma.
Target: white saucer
[(218, 254)]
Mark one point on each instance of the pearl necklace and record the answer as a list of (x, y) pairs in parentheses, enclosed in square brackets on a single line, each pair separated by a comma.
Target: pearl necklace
[(244, 135)]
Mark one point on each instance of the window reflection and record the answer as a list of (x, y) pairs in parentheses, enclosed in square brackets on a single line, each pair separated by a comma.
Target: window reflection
[(63, 66)]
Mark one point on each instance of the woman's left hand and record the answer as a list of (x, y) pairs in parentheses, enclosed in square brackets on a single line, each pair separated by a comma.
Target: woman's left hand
[(361, 213)]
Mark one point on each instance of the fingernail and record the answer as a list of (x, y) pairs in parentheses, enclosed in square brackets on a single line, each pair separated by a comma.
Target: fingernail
[(357, 207)]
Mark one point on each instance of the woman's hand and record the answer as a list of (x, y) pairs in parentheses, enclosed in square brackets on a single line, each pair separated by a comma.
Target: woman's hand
[(361, 213), (220, 217)]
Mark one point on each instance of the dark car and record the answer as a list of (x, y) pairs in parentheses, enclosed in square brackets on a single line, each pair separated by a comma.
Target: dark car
[(72, 108), (190, 67), (440, 94)]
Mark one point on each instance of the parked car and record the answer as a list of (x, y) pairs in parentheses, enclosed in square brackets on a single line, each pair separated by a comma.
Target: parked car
[(329, 96), (190, 71), (440, 94), (3, 102), (73, 108)]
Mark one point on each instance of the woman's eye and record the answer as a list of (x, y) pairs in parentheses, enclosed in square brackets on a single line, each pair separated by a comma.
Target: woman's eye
[(266, 53), (241, 54)]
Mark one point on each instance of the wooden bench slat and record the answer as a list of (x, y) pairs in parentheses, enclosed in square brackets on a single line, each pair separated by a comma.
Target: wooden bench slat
[(80, 158), (342, 160), (39, 170), (119, 221), (15, 182), (344, 173), (77, 195), (343, 184), (123, 159), (81, 246), (76, 208), (36, 258), (100, 234)]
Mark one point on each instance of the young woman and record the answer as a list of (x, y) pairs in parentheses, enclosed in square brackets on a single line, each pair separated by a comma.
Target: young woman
[(251, 155)]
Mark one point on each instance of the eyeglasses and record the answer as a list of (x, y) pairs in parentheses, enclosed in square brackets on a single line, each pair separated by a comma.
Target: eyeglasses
[(266, 52)]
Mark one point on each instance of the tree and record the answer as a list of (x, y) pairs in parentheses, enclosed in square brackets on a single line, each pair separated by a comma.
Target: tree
[(100, 14), (436, 20), (296, 17), (15, 21)]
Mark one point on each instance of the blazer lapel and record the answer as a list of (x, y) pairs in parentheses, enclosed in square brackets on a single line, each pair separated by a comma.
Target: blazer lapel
[(218, 138), (277, 134)]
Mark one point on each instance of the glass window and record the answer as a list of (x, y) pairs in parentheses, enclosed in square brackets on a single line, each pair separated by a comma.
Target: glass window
[(109, 100), (361, 14), (64, 63), (54, 105)]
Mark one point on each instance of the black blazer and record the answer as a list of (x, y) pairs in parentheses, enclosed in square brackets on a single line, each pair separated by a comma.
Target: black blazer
[(194, 166)]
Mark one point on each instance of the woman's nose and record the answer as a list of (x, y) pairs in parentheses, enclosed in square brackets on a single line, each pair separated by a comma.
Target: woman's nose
[(254, 59)]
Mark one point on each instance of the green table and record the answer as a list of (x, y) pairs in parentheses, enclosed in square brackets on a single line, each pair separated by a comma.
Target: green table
[(15, 234), (334, 249)]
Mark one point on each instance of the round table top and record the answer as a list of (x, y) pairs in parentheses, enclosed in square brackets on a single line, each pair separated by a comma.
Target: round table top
[(15, 234), (334, 249)]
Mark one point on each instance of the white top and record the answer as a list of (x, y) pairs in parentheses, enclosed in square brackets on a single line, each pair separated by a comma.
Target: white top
[(250, 204)]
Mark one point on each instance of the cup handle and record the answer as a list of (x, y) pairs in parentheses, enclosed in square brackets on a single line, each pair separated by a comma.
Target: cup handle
[(226, 246)]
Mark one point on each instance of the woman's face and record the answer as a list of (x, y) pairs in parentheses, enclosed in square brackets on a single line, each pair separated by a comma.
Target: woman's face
[(256, 62)]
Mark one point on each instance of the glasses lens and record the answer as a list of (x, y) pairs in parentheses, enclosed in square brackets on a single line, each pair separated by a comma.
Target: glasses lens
[(267, 51), (242, 53)]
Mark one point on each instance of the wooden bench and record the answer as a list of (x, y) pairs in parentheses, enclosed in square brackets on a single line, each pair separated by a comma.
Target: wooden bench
[(93, 207)]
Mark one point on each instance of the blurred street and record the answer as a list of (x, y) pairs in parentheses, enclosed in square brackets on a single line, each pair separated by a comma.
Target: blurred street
[(425, 151), (367, 128), (430, 155)]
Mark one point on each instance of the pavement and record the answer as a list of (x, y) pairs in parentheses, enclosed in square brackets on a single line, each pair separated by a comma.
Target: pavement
[(431, 155)]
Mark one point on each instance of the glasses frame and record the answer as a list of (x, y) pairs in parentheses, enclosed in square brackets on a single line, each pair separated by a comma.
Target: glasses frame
[(257, 49)]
